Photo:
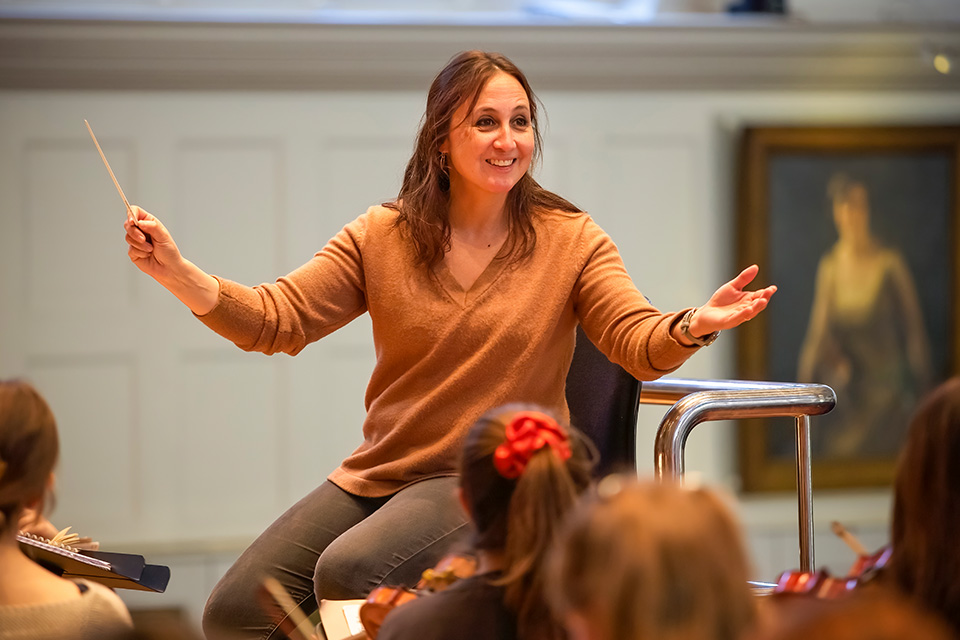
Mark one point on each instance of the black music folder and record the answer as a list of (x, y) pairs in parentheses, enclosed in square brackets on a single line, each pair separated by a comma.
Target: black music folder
[(110, 568)]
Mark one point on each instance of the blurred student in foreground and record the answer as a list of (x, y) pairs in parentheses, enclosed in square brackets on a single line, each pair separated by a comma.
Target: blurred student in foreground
[(35, 604), (867, 615), (925, 564), (652, 561)]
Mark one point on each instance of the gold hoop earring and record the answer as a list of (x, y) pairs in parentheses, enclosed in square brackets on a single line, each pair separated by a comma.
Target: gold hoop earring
[(444, 173)]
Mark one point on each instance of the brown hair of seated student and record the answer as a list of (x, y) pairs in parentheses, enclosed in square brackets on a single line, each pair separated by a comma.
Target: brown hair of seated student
[(926, 509), (520, 517), (29, 448), (651, 561), (868, 615)]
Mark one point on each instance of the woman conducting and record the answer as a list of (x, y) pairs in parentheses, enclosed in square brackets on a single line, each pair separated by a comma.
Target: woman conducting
[(475, 279)]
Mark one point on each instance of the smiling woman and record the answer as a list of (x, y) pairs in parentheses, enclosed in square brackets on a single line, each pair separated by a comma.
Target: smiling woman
[(491, 146), (479, 108), (475, 278), (489, 151)]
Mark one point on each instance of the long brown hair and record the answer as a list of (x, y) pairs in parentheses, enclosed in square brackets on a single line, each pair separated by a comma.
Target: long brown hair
[(423, 202), (650, 560), (926, 506), (521, 516), (29, 448)]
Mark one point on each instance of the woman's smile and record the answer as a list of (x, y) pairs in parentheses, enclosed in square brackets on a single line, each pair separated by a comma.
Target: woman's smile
[(490, 145)]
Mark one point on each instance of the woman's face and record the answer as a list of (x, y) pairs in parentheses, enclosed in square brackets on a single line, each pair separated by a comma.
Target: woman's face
[(490, 148), (851, 214)]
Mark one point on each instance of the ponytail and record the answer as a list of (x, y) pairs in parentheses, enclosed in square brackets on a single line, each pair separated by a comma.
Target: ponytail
[(518, 498), (546, 491)]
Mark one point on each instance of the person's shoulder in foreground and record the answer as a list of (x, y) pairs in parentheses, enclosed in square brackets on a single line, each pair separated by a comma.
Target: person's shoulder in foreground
[(472, 608), (97, 613)]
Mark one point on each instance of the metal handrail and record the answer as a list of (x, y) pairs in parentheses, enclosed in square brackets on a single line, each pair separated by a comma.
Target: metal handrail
[(696, 401)]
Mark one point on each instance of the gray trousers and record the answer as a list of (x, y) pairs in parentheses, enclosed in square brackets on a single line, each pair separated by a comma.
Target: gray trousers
[(335, 545)]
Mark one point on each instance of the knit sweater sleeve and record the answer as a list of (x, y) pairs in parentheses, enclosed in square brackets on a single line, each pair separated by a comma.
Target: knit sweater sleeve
[(617, 317), (310, 302)]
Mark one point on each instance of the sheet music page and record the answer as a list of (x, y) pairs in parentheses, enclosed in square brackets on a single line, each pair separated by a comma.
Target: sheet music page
[(341, 618), (352, 614)]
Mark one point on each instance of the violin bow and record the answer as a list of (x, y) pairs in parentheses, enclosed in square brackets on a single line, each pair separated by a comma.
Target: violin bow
[(302, 629), (851, 540)]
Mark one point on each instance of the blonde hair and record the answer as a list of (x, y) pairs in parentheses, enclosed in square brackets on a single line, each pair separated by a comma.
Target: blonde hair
[(654, 561), (29, 448)]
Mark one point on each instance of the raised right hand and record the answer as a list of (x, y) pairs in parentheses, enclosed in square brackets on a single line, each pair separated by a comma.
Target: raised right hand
[(161, 260), (157, 257)]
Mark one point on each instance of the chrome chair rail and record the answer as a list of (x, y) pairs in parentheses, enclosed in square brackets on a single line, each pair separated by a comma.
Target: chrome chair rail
[(697, 401)]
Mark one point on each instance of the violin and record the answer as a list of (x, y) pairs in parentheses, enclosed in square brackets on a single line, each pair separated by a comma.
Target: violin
[(821, 584), (382, 600), (379, 603)]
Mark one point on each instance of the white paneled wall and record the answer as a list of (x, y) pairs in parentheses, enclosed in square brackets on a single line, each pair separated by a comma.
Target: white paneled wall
[(179, 445)]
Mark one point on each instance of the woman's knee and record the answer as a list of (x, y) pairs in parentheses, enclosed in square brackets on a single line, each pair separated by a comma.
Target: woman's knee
[(226, 607), (351, 567), (345, 571), (350, 570)]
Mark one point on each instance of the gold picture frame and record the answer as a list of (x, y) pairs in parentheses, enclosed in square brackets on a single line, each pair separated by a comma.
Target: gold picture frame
[(847, 221)]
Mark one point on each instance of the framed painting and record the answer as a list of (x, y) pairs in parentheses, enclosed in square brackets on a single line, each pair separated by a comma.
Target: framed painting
[(859, 227)]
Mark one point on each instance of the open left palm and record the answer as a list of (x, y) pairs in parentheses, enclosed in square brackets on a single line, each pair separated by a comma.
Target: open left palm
[(731, 305)]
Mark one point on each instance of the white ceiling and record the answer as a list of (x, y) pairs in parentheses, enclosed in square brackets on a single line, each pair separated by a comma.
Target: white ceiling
[(475, 11)]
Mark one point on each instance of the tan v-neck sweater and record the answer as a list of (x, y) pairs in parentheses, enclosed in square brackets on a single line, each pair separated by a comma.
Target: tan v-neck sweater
[(444, 355)]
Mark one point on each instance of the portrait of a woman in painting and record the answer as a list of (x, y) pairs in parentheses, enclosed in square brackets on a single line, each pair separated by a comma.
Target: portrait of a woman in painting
[(866, 336)]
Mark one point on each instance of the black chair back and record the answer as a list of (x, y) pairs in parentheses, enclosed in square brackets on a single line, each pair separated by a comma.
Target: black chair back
[(604, 401)]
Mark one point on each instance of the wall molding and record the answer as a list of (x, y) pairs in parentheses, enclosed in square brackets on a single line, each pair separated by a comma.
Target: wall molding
[(729, 55)]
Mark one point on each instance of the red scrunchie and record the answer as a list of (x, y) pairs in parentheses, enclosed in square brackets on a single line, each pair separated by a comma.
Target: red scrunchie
[(527, 433)]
